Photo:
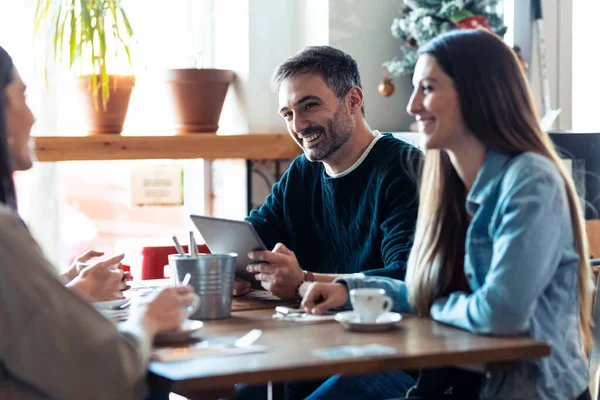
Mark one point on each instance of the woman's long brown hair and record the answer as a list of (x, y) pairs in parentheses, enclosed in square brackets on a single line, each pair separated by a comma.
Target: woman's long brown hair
[(7, 185), (497, 107)]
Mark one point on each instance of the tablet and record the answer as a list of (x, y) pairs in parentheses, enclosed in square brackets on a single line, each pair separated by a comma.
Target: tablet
[(231, 236)]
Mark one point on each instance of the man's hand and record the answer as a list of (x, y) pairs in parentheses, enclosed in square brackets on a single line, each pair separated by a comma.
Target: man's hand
[(278, 271), (321, 297), (241, 287)]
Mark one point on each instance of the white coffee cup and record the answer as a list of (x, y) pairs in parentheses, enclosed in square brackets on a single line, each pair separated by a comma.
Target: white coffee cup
[(369, 303)]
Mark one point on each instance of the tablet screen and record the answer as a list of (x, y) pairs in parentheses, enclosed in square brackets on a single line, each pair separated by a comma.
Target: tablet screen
[(230, 236)]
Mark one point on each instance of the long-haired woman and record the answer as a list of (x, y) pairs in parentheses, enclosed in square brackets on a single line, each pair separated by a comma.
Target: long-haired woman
[(500, 247), (53, 344)]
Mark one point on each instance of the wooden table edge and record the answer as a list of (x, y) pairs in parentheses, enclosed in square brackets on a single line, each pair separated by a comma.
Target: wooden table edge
[(478, 360)]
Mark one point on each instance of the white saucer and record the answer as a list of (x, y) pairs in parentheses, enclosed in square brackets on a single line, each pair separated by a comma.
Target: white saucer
[(188, 328), (350, 321), (114, 315), (111, 304)]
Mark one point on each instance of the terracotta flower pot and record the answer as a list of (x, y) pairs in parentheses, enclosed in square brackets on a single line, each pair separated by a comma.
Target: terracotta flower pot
[(198, 96), (111, 119)]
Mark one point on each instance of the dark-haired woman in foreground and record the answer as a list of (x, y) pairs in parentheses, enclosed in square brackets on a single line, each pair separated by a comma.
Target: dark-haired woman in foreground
[(493, 189), (53, 344)]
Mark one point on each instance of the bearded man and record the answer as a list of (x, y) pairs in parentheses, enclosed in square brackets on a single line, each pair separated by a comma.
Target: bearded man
[(348, 205)]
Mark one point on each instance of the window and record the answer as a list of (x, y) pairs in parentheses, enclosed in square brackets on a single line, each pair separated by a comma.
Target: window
[(509, 21), (586, 64), (72, 206)]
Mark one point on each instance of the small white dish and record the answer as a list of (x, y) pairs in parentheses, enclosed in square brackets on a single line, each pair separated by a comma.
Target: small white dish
[(351, 321), (111, 304), (188, 328), (170, 354), (114, 315)]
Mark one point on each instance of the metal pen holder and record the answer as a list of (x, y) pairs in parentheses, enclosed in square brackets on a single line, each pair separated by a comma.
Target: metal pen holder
[(212, 277)]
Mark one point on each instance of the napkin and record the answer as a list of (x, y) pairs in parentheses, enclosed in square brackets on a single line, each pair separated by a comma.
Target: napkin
[(115, 315), (303, 317), (170, 354)]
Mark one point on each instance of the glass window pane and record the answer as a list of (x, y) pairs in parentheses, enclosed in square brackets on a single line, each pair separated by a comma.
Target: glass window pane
[(586, 64)]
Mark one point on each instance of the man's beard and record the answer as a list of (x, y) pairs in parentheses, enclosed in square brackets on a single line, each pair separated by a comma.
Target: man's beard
[(339, 130)]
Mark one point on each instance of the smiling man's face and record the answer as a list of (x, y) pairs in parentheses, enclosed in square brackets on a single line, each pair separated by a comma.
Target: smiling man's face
[(316, 118)]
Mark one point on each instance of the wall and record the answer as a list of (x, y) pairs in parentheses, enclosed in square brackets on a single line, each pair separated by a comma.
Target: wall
[(273, 30), (362, 28), (586, 84), (557, 18), (253, 36)]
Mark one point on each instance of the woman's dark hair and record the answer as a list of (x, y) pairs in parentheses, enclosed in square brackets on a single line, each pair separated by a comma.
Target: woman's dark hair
[(7, 184), (497, 108), (494, 95)]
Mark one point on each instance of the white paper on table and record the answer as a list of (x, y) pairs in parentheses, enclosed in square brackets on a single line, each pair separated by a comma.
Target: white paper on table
[(304, 317), (169, 354)]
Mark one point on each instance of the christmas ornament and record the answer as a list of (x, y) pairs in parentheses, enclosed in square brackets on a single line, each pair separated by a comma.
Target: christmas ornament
[(465, 19), (386, 87), (422, 20)]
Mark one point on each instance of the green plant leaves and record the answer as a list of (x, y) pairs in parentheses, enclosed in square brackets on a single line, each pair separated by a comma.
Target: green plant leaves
[(82, 32)]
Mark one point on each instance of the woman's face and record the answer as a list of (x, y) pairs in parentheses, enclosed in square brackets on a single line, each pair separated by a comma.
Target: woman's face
[(19, 120), (435, 105)]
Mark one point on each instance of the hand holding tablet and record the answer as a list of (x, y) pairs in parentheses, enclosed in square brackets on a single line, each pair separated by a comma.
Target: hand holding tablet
[(231, 236)]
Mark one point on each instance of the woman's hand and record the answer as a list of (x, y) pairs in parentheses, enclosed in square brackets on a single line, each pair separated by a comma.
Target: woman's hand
[(321, 297), (73, 271), (101, 281), (163, 311)]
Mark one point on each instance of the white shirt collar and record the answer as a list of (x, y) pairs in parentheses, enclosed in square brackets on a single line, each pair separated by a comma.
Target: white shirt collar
[(364, 155)]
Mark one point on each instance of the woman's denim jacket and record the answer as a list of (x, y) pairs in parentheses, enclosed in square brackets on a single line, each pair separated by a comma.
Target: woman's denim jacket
[(522, 267)]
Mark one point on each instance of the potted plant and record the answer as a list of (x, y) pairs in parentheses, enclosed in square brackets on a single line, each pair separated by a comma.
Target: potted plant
[(87, 35), (198, 95)]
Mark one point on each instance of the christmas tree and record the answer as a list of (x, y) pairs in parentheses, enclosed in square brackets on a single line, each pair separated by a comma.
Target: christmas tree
[(422, 20)]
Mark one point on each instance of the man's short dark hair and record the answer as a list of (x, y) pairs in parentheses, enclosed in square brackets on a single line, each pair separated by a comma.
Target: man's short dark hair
[(338, 69)]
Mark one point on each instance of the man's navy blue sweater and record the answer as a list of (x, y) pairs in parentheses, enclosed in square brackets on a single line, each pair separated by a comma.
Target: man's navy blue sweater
[(360, 222)]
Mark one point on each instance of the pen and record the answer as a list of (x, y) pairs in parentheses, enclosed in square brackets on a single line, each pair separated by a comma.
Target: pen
[(178, 246)]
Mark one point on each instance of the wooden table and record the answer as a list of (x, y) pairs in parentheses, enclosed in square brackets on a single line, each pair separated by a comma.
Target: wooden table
[(259, 300), (418, 343)]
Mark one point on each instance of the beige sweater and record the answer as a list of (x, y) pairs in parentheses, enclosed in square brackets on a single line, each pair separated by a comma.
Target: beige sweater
[(54, 340)]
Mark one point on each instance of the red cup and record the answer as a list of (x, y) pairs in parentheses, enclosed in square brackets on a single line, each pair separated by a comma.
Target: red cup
[(154, 259)]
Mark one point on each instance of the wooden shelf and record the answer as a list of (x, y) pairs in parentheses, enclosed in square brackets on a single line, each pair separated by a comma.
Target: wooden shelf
[(267, 146)]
